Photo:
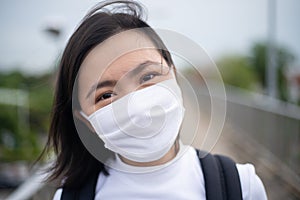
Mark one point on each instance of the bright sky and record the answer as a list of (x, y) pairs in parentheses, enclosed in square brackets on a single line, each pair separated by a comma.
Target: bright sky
[(219, 26)]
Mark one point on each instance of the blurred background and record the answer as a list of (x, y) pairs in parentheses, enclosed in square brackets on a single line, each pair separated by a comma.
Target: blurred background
[(255, 44)]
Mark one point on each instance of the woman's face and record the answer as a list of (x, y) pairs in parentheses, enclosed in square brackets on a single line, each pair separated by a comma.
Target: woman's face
[(120, 65)]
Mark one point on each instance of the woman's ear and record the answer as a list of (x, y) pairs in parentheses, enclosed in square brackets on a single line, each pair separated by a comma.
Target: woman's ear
[(78, 115)]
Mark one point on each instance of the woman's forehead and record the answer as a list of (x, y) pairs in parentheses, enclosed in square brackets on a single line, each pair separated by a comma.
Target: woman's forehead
[(115, 47)]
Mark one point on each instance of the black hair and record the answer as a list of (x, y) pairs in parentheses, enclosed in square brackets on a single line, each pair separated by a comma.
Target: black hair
[(73, 163)]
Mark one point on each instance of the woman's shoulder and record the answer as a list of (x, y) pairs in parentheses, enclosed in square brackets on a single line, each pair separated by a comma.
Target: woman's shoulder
[(57, 194), (252, 186)]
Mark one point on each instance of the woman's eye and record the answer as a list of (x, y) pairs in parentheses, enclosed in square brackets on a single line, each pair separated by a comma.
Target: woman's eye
[(148, 77), (105, 96)]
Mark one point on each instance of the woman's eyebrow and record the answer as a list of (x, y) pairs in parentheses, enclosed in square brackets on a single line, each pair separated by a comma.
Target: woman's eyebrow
[(106, 83), (110, 83), (141, 67)]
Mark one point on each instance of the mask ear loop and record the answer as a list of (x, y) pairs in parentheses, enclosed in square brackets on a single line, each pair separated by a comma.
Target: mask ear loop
[(84, 115)]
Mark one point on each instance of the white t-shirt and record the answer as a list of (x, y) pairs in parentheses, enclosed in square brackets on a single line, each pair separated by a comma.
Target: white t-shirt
[(180, 179)]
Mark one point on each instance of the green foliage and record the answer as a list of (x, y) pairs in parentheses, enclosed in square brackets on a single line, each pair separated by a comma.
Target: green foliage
[(22, 128), (258, 61), (236, 71), (250, 72)]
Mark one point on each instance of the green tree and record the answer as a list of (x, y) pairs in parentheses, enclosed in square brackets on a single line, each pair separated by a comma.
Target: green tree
[(258, 60), (236, 71), (17, 142)]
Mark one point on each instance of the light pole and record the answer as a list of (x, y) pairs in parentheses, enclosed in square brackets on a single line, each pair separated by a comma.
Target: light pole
[(54, 29), (271, 50)]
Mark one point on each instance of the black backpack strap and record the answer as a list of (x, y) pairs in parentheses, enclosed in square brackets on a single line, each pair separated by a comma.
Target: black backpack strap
[(231, 177), (87, 192), (212, 180), (221, 177)]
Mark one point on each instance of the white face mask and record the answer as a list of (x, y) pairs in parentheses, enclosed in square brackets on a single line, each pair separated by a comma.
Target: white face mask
[(143, 125)]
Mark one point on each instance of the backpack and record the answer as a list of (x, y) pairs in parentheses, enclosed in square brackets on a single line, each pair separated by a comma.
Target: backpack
[(221, 179)]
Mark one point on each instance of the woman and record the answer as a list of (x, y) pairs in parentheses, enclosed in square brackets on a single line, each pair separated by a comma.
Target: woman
[(117, 114)]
